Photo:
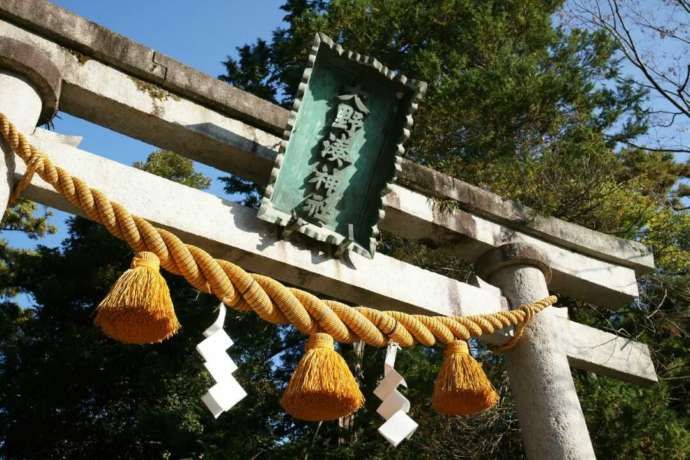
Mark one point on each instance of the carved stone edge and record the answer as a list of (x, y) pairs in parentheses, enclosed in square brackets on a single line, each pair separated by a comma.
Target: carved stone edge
[(36, 67), (269, 213)]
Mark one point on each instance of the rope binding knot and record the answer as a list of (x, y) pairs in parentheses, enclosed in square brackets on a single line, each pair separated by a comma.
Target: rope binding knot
[(146, 259), (319, 340), (456, 346)]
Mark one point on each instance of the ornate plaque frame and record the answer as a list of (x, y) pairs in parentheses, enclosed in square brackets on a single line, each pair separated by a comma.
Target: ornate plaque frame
[(341, 148)]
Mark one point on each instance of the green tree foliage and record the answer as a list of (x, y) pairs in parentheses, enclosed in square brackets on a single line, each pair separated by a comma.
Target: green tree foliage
[(22, 217), (516, 105), (174, 167)]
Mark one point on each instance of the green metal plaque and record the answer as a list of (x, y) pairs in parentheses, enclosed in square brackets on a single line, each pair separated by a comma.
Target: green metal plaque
[(341, 148)]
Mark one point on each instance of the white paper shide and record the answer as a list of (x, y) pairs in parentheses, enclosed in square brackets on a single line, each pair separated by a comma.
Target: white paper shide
[(394, 408), (227, 391)]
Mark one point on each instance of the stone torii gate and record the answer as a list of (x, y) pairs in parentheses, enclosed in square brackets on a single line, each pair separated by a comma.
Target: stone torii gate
[(51, 59)]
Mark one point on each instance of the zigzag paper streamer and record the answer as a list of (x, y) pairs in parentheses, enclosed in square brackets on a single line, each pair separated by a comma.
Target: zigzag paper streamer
[(227, 391), (394, 408)]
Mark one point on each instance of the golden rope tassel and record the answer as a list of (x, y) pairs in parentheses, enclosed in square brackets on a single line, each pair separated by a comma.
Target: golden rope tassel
[(138, 308), (461, 387), (322, 387)]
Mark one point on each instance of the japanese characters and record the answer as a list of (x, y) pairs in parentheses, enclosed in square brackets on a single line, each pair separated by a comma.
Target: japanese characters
[(335, 156)]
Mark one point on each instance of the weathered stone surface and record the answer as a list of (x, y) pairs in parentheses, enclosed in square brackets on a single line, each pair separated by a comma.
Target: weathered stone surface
[(509, 254), (34, 66), (603, 353), (114, 99), (513, 215), (465, 235), (551, 419)]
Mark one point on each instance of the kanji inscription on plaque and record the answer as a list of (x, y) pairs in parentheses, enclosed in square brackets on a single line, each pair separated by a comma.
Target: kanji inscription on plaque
[(340, 150)]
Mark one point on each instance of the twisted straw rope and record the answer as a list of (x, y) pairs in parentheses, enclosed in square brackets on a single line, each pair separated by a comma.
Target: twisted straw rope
[(245, 291)]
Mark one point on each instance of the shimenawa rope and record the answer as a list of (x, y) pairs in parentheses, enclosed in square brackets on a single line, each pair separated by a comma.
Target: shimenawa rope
[(145, 295)]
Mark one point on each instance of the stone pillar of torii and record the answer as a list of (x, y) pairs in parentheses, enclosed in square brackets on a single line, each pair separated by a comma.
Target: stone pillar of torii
[(551, 418), (50, 58)]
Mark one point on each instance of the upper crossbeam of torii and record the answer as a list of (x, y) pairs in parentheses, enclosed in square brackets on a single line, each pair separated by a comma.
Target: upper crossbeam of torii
[(84, 69)]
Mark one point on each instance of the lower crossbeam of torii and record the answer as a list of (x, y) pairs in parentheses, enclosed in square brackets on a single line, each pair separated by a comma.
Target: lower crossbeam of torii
[(53, 60)]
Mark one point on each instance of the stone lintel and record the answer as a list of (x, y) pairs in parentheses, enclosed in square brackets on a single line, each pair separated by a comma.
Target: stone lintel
[(89, 41), (491, 206)]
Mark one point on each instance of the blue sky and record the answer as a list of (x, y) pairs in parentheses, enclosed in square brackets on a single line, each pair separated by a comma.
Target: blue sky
[(201, 36)]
